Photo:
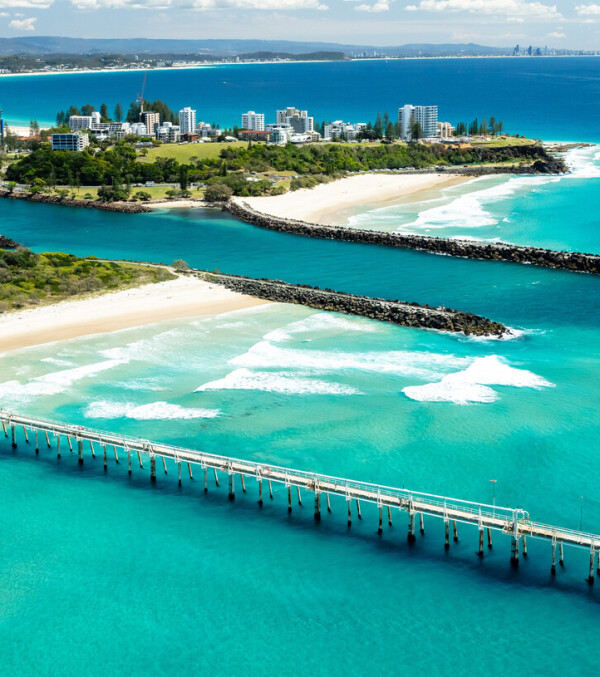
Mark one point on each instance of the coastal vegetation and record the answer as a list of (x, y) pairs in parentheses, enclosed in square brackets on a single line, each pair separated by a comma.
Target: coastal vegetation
[(30, 279), (246, 169)]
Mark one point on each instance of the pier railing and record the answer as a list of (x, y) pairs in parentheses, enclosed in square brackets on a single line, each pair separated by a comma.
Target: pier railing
[(416, 504)]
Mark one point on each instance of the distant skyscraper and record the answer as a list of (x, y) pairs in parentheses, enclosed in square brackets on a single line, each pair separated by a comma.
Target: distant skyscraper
[(253, 121), (187, 120)]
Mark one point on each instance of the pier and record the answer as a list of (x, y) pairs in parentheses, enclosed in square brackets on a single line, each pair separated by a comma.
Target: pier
[(513, 523)]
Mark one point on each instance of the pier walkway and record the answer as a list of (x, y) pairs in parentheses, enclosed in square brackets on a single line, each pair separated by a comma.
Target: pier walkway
[(417, 505)]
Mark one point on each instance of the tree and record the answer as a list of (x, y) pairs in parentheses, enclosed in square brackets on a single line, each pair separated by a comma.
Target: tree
[(378, 126), (142, 195), (183, 177), (484, 129), (416, 131), (88, 109), (493, 125), (34, 128), (219, 192), (104, 113), (180, 264), (118, 112), (390, 131)]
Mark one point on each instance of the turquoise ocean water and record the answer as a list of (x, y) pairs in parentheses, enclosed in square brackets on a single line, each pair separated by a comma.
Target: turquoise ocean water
[(105, 574)]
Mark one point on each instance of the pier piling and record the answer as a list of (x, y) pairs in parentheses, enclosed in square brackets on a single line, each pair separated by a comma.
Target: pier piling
[(116, 454), (514, 522), (421, 524)]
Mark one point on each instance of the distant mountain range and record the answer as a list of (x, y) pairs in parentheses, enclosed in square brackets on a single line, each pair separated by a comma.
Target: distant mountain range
[(43, 45)]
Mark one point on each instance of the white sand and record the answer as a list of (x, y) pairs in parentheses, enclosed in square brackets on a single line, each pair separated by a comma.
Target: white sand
[(320, 204), (180, 298)]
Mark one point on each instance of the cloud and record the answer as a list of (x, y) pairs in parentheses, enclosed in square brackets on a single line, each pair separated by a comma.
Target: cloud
[(379, 6), (4, 14), (588, 10), (31, 4), (23, 24), (556, 34), (512, 8), (199, 5)]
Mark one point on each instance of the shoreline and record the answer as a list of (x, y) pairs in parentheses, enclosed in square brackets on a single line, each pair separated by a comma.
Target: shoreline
[(325, 203), (185, 297)]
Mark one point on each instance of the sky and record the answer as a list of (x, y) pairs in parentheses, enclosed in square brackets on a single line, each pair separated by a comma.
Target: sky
[(564, 23)]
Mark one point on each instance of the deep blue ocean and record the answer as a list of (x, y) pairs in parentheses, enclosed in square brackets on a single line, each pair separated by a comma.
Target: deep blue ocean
[(106, 574)]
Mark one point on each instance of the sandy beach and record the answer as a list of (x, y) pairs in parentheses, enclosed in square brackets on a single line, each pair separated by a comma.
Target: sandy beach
[(326, 202), (174, 299)]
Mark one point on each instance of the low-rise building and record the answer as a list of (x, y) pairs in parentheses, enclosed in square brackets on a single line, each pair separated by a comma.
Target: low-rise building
[(445, 130), (75, 141), (343, 130), (253, 135)]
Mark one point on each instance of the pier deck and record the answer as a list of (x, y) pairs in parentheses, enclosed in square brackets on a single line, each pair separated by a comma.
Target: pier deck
[(512, 521)]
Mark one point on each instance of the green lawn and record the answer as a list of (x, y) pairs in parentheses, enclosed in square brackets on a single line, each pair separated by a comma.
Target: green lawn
[(183, 153), (503, 141)]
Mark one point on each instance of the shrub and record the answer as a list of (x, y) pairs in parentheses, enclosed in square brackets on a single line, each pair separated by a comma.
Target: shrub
[(218, 193)]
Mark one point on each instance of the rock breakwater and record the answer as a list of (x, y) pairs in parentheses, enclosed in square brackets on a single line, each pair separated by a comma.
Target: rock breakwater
[(385, 310), (493, 251), (125, 207)]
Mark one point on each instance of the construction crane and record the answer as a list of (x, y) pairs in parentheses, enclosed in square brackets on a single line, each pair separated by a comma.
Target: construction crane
[(140, 97)]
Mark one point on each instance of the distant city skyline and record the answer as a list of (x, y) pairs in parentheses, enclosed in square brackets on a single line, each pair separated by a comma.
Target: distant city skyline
[(372, 22)]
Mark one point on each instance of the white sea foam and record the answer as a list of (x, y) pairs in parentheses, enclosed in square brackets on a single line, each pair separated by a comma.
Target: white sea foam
[(145, 349), (472, 384), (58, 362), (277, 382), (583, 163), (327, 322), (54, 383), (408, 363), (469, 209), (146, 412)]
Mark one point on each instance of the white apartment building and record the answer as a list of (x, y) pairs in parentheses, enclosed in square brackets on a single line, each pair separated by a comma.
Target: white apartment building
[(254, 122), (187, 120), (300, 120), (76, 141), (168, 133), (279, 133), (139, 128), (343, 130), (426, 116)]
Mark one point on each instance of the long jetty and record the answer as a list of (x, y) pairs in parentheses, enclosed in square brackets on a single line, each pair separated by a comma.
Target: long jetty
[(471, 249), (513, 522), (384, 310)]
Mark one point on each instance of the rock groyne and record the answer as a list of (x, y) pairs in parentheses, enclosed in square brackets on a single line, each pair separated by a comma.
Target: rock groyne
[(385, 310), (125, 207), (493, 251)]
